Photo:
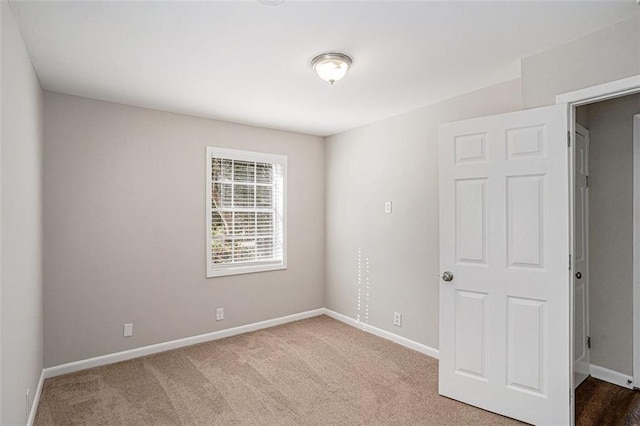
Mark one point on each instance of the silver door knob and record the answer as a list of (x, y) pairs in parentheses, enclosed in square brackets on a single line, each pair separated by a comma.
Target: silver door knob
[(447, 276)]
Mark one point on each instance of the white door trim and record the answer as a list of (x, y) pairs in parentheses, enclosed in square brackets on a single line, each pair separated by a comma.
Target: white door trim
[(611, 376), (636, 251), (613, 89)]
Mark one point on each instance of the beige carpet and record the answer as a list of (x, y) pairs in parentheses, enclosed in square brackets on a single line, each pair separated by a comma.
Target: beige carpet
[(311, 372)]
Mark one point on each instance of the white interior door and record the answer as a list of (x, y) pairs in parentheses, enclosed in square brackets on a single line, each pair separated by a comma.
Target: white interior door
[(581, 257), (504, 237)]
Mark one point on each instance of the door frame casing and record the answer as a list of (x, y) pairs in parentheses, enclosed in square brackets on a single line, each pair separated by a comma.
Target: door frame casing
[(636, 251), (572, 100)]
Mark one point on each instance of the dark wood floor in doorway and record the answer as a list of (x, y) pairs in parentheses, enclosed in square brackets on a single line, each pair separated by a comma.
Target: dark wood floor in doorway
[(604, 404)]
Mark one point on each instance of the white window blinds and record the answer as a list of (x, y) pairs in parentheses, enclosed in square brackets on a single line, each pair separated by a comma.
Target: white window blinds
[(246, 212)]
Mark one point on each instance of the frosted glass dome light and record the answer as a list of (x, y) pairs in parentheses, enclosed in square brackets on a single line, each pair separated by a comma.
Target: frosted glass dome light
[(331, 67)]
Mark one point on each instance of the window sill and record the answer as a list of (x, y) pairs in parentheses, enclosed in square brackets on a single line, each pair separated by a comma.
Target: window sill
[(238, 270)]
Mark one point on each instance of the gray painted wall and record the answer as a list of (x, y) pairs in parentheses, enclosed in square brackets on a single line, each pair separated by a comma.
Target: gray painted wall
[(20, 224), (393, 257), (611, 232), (403, 267), (610, 54), (124, 240), (125, 228), (582, 116)]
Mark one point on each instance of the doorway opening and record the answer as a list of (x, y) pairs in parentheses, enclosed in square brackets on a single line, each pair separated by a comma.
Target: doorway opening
[(606, 260)]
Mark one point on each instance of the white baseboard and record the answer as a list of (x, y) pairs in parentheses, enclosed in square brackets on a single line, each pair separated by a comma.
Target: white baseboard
[(36, 401), (188, 341), (611, 376), (173, 344), (411, 344)]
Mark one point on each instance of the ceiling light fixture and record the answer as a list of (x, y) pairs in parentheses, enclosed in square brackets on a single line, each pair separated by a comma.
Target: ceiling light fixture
[(271, 2), (331, 67)]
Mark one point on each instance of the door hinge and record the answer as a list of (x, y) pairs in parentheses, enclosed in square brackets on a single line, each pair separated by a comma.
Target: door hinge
[(568, 138), (569, 262), (587, 183), (589, 342)]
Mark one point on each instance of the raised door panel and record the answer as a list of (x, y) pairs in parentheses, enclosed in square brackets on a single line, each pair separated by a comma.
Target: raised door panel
[(580, 309), (470, 148), (471, 221), (526, 345), (525, 221), (526, 142), (470, 334)]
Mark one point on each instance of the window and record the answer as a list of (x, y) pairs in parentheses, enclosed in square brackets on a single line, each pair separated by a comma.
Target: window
[(246, 208)]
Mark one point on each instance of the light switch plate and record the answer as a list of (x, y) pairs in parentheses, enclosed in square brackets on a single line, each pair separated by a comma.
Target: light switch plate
[(128, 330)]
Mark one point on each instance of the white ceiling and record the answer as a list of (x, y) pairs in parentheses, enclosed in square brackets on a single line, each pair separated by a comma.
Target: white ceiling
[(250, 63)]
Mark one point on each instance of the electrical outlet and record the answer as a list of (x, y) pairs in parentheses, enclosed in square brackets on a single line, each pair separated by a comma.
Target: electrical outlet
[(387, 207), (397, 319), (128, 330), (219, 314), (26, 395)]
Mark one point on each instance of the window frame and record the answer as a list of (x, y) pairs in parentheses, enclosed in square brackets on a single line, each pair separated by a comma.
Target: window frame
[(259, 266)]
